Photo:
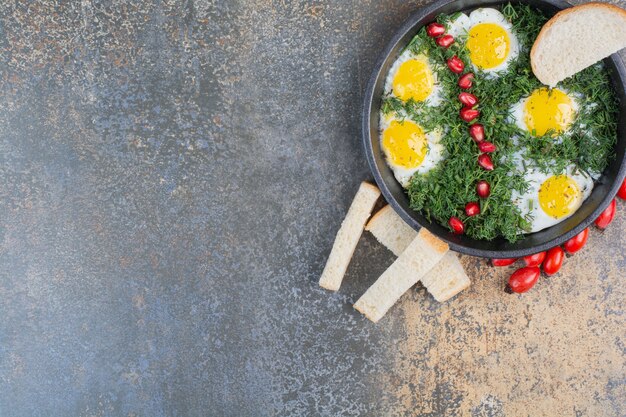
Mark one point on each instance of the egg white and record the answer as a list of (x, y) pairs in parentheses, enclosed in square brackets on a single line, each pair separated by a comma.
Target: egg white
[(528, 202), (434, 99), (433, 156)]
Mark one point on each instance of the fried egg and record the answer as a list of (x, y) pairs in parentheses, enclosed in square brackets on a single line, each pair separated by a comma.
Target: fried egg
[(412, 77), (408, 148), (545, 110), (550, 199), (489, 38)]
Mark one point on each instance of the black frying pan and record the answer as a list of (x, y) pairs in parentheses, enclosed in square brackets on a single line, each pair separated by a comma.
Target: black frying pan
[(603, 192)]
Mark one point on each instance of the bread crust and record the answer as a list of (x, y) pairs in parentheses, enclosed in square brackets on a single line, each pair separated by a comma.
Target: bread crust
[(564, 13), (433, 241)]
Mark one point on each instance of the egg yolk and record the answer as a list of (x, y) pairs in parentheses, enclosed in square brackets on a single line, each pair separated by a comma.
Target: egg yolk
[(548, 110), (414, 80), (559, 196), (488, 45), (406, 144)]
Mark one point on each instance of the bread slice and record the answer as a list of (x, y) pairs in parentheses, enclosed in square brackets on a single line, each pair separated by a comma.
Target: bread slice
[(419, 257), (348, 236), (390, 230), (575, 39), (445, 280)]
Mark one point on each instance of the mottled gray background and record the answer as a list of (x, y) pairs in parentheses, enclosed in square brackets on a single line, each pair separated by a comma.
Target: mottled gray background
[(172, 177)]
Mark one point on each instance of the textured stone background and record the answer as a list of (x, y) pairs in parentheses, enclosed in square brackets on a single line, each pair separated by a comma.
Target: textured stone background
[(173, 174)]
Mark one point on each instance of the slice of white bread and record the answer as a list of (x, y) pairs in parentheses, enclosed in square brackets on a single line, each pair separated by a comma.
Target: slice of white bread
[(390, 230), (575, 39), (445, 280), (348, 236), (419, 257)]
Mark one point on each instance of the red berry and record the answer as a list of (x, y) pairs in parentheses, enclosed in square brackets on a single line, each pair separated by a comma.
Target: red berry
[(456, 225), (477, 131), (577, 242), (621, 193), (445, 41), (434, 30), (483, 189), (465, 81), (503, 262), (535, 260), (470, 100), (487, 147), (456, 65), (468, 114), (523, 279), (485, 161), (472, 209), (553, 261), (607, 216)]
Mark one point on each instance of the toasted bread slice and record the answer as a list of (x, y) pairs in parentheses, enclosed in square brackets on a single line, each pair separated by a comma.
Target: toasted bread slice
[(445, 280), (348, 236), (390, 230), (575, 39), (419, 257)]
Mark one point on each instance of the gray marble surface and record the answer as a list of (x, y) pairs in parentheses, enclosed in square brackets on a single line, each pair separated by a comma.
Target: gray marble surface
[(173, 174)]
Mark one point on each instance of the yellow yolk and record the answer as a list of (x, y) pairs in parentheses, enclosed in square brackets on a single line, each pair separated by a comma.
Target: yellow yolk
[(414, 80), (405, 143), (548, 110), (559, 196), (488, 44)]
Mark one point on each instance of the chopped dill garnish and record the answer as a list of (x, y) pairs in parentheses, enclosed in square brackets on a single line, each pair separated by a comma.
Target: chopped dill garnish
[(443, 191)]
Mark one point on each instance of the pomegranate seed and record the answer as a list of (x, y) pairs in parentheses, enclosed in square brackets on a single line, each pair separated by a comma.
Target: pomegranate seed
[(485, 161), (465, 81), (468, 114), (470, 100), (435, 30), (472, 209), (456, 65), (483, 189), (487, 147), (477, 132), (445, 41), (457, 225)]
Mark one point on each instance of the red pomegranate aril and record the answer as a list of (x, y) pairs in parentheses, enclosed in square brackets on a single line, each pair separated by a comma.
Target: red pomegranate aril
[(472, 209), (434, 30), (456, 65), (456, 225), (468, 114), (485, 161), (621, 193), (483, 189), (486, 147), (606, 217), (503, 261), (470, 100), (523, 279), (477, 132), (445, 41), (465, 81)]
